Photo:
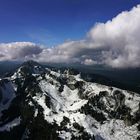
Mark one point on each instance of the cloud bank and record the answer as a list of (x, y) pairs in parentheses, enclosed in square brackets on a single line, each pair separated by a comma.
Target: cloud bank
[(115, 43), (18, 51)]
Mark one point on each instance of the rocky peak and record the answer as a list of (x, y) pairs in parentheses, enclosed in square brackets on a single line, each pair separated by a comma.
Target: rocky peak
[(29, 68), (30, 63)]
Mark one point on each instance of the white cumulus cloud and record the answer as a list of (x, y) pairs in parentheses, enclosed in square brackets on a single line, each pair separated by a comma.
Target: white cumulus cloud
[(18, 50), (120, 38)]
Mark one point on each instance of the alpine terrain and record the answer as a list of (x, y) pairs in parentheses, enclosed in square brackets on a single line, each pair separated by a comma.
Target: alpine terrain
[(38, 103)]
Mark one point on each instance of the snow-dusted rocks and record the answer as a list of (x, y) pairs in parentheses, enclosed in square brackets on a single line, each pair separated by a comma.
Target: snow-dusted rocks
[(46, 105)]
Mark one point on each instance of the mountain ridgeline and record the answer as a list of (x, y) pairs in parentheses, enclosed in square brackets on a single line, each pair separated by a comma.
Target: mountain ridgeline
[(38, 103)]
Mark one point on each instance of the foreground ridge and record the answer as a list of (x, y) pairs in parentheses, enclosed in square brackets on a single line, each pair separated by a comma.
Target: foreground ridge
[(38, 103)]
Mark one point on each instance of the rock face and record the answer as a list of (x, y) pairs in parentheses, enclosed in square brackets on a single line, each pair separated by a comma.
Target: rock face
[(41, 104)]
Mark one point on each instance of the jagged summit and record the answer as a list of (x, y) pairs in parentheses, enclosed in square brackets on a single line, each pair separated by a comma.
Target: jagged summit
[(28, 68), (48, 105), (30, 63)]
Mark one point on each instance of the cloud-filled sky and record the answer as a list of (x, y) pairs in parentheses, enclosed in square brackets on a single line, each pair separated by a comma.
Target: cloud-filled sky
[(114, 42)]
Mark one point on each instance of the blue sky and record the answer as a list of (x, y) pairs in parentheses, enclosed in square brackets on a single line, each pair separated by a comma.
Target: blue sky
[(51, 22)]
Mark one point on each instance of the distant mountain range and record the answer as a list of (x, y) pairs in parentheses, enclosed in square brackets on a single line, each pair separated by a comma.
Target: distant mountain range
[(44, 103)]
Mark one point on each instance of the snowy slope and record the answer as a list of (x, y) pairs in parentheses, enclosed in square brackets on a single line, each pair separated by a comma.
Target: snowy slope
[(54, 105)]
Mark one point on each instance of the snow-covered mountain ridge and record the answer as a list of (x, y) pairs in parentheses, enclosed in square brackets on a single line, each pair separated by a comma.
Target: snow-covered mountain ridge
[(38, 103)]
